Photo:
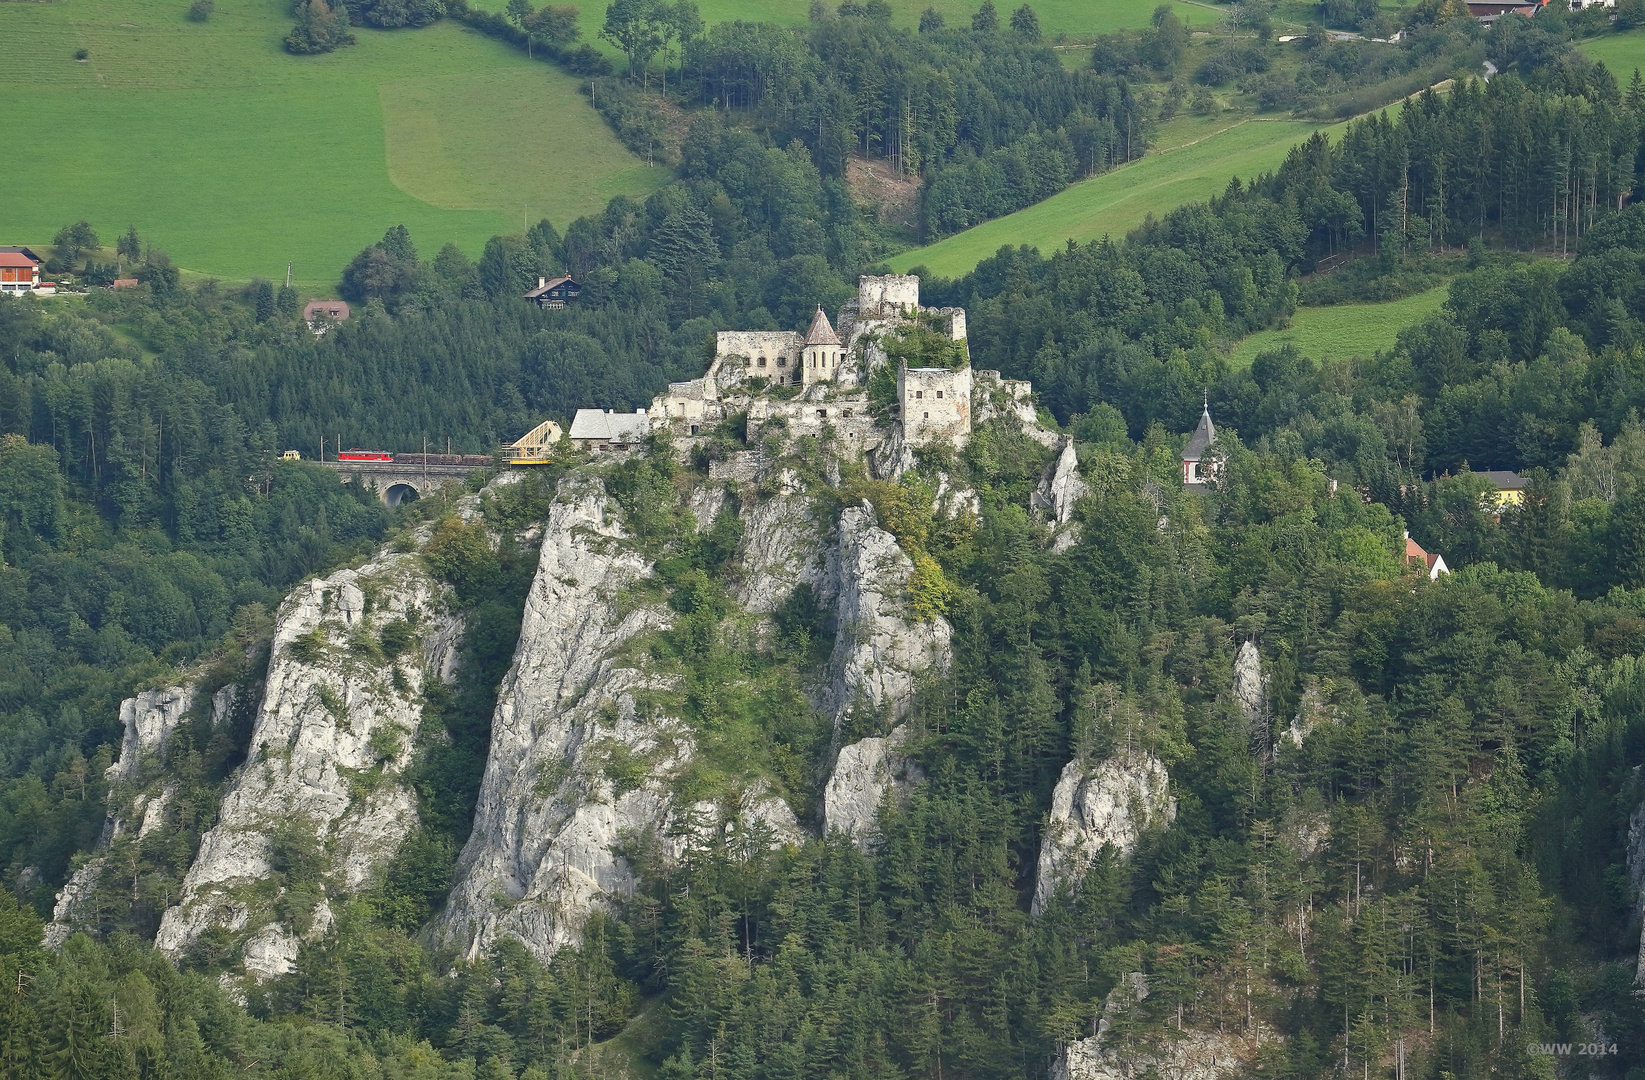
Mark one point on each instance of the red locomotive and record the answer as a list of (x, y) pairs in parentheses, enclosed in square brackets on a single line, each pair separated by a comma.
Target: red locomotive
[(357, 454)]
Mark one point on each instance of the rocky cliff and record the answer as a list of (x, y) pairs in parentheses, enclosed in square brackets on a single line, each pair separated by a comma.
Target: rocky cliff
[(587, 743), (549, 815), (1177, 1053), (335, 730), (1097, 805), (1060, 488), (879, 650), (139, 790), (865, 772)]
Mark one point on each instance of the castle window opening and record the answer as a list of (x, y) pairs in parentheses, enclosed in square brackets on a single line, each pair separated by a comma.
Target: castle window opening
[(782, 361), (919, 394), (939, 395), (848, 414), (693, 429), (927, 416), (762, 361), (822, 414)]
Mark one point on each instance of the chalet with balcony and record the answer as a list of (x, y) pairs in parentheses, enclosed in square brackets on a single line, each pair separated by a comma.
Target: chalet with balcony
[(555, 293)]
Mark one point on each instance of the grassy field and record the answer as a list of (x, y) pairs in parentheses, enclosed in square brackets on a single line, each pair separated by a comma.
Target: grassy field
[(1180, 170), (1622, 53), (1343, 330), (236, 157), (1076, 18)]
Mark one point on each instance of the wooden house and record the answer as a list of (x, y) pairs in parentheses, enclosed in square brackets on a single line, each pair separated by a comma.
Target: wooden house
[(19, 270), (555, 293)]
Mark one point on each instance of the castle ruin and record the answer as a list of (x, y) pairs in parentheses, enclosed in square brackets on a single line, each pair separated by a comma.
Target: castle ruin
[(817, 383)]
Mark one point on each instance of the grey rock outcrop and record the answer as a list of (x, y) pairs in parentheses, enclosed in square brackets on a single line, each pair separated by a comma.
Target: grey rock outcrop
[(879, 650), (1059, 489), (782, 547), (149, 719), (1313, 712), (864, 774), (1094, 805), (1251, 687), (548, 818), (71, 899), (951, 501), (333, 735), (1180, 1055), (893, 457)]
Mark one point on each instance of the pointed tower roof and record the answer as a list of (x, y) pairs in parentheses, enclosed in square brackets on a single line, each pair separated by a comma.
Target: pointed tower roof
[(1203, 436), (821, 332)]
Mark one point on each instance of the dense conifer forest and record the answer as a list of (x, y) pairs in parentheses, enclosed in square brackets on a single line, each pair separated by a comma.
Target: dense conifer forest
[(1468, 800)]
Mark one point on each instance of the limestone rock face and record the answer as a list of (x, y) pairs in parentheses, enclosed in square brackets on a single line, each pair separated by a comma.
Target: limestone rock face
[(333, 734), (1060, 488), (75, 891), (550, 815), (1250, 688), (149, 719), (1097, 804), (782, 547), (1180, 1055), (878, 651), (863, 774), (1186, 1055), (893, 457), (951, 501), (1313, 712)]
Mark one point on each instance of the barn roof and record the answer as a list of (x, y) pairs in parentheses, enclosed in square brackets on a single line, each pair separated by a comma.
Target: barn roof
[(17, 258), (602, 424)]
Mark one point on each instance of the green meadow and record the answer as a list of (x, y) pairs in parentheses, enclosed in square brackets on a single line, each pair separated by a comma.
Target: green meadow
[(1622, 53), (1342, 330), (1180, 170), (237, 158), (1075, 18)]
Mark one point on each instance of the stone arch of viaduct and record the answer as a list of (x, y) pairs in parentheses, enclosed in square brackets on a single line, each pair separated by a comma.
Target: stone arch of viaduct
[(395, 482)]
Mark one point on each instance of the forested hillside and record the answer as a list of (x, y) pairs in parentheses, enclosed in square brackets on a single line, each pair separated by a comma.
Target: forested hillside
[(1411, 854)]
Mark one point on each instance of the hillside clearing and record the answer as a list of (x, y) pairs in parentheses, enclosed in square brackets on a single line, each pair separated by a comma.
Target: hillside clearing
[(1621, 53), (1116, 202), (236, 157), (1078, 19), (1341, 330)]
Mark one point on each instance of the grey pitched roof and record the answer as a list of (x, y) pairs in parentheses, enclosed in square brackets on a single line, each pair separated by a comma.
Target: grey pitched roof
[(1504, 479), (610, 426), (1203, 436)]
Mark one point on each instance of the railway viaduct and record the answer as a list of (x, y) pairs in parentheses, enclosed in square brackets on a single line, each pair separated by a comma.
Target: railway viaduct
[(396, 481)]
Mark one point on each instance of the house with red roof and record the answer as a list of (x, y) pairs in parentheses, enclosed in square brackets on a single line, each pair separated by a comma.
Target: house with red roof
[(19, 271), (1433, 563)]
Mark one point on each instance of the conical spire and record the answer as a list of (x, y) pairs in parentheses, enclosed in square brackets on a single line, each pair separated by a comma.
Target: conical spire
[(1204, 435), (821, 332)]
